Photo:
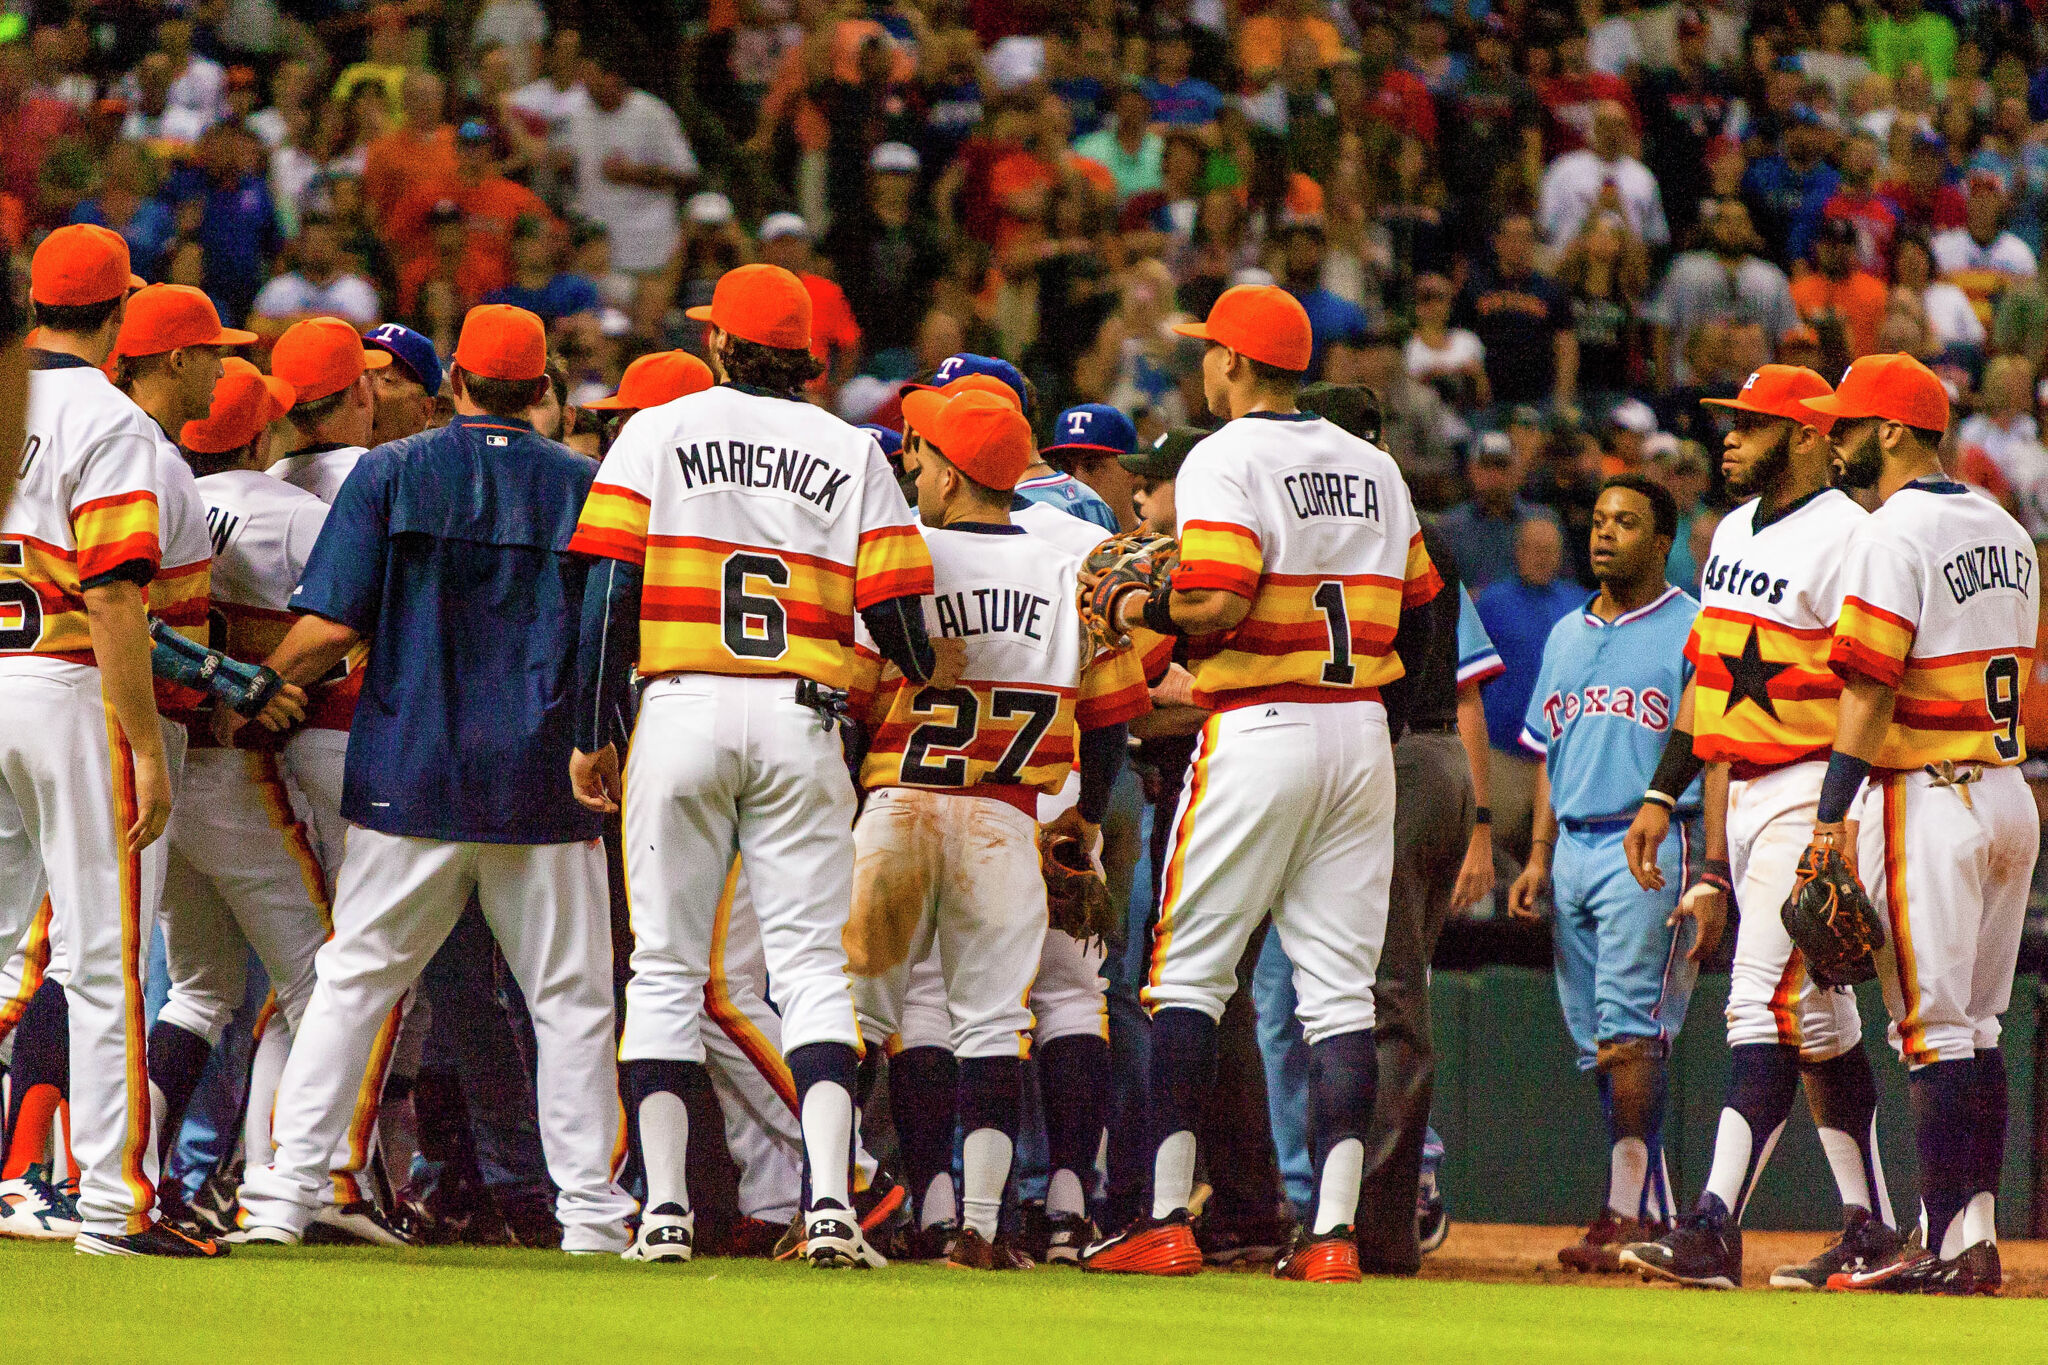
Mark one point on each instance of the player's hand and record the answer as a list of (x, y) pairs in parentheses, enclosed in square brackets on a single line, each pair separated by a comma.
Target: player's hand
[(1842, 834), (1522, 896), (1068, 824), (1707, 907), (1475, 876), (1645, 836), (949, 661), (1177, 688), (226, 724), (152, 801), (594, 779), (284, 710)]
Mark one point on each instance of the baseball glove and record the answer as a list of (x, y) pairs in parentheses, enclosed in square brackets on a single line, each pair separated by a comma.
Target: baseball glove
[(1832, 921), (1077, 899), (1136, 561)]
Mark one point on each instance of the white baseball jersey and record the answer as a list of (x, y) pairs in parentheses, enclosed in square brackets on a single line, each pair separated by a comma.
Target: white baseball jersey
[(320, 470), (760, 525), (180, 593)]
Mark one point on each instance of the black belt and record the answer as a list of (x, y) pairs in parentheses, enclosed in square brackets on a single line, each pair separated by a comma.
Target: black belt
[(1433, 727)]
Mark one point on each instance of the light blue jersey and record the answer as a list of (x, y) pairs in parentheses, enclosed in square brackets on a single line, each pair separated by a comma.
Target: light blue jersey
[(1070, 495), (1478, 660), (1604, 702)]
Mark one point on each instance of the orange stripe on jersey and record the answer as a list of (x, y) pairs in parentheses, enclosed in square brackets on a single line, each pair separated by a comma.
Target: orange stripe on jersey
[(1112, 690), (1327, 638), (1871, 642), (1218, 555), (135, 1142), (1944, 710), (56, 614), (893, 561), (35, 955), (613, 524), (964, 736), (1912, 1030), (730, 1018), (1420, 580), (113, 531), (1763, 694), (708, 606), (179, 597)]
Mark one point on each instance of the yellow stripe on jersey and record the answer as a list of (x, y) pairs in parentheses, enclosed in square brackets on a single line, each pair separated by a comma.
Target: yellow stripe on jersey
[(893, 561), (1308, 637), (613, 525), (1959, 708), (711, 607), (180, 597), (112, 531), (49, 617), (1763, 694)]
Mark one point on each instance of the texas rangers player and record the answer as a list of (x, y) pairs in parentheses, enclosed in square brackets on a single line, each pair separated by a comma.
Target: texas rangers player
[(761, 526), (1940, 603), (1762, 702), (454, 777), (1606, 694), (85, 789), (1299, 550), (947, 846)]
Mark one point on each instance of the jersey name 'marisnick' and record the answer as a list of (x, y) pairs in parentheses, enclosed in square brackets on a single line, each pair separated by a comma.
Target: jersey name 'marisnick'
[(1742, 582), (994, 611), (811, 477)]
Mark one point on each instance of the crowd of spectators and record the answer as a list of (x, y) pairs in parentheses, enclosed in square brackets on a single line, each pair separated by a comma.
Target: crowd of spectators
[(1540, 230)]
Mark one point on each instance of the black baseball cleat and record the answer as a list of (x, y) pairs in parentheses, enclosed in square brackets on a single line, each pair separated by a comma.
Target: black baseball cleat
[(1865, 1244), (929, 1243), (880, 1205), (1067, 1235), (1975, 1270), (215, 1208), (1703, 1251), (1242, 1241), (160, 1240), (360, 1223)]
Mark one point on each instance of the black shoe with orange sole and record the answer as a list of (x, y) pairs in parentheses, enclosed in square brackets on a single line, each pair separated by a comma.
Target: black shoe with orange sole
[(1321, 1258), (1149, 1246)]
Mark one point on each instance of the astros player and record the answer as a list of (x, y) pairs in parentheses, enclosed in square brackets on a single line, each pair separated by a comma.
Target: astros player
[(650, 381), (1940, 603), (326, 363), (1762, 702), (737, 532), (1606, 694), (454, 778), (947, 848), (1300, 550), (85, 789)]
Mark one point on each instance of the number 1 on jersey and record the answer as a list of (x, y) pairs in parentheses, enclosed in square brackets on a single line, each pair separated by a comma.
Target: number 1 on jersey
[(1329, 600)]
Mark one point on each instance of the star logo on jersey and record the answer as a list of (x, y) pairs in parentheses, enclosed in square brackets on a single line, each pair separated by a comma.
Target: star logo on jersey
[(1749, 677)]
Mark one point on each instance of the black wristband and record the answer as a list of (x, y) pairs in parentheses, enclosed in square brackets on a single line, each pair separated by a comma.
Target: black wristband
[(1675, 769), (1482, 815), (1838, 789), (1158, 615)]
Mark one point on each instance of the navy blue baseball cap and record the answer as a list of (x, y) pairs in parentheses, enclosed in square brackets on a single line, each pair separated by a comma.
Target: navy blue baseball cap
[(892, 441), (409, 349), (960, 366), (1094, 426)]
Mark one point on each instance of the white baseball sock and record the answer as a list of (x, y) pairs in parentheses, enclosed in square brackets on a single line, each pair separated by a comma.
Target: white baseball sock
[(1064, 1193), (828, 1141), (1173, 1174), (985, 1170), (1628, 1166), (1337, 1196), (664, 1149), (937, 1205)]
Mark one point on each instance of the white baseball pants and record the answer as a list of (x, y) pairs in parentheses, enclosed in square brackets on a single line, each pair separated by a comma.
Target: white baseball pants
[(314, 761), (396, 901)]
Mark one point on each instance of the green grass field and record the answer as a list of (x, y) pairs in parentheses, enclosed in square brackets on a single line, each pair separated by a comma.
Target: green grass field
[(512, 1306)]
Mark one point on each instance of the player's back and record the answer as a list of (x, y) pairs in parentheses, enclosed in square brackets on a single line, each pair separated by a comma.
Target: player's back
[(86, 503), (263, 530), (1317, 529), (1942, 601), (761, 525), (319, 470)]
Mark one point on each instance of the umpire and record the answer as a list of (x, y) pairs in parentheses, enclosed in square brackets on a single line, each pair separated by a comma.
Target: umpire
[(446, 551)]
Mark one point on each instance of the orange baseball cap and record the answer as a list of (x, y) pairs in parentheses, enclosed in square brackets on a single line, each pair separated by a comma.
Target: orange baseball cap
[(764, 304), (1262, 321), (322, 356), (244, 402), (164, 317), (1896, 388), (973, 383), (1780, 391), (80, 264), (500, 341), (984, 436), (655, 379)]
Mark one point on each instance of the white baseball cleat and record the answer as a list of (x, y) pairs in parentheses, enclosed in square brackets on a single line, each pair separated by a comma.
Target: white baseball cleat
[(35, 1210), (667, 1234), (833, 1241), (262, 1235), (361, 1221)]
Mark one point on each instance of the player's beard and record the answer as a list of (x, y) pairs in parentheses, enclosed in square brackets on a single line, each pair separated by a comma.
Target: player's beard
[(1860, 467), (1759, 478)]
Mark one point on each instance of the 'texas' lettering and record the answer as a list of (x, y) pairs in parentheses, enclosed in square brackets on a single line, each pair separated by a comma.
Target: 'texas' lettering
[(1319, 493), (811, 477), (1650, 708)]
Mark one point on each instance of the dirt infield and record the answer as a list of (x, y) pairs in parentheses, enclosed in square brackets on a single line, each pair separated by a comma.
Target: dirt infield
[(1506, 1253)]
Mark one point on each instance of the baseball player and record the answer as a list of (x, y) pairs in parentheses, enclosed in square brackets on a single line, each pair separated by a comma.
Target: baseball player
[(85, 788), (737, 532), (454, 778), (327, 364), (1762, 702), (650, 381), (1940, 604), (1606, 694), (1041, 482), (1089, 442), (947, 849), (404, 390), (1300, 555)]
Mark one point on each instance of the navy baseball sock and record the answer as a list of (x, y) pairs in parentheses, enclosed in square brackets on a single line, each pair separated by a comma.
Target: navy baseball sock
[(1074, 1082), (923, 1086), (1842, 1093), (41, 1077), (825, 1075), (658, 1126), (176, 1057), (1343, 1073), (1183, 1070), (1762, 1080), (1945, 1134), (1658, 1207), (1989, 1100), (989, 1105)]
